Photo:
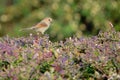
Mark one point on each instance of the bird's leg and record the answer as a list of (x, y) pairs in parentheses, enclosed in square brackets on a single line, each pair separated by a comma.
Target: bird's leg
[(39, 34), (31, 34)]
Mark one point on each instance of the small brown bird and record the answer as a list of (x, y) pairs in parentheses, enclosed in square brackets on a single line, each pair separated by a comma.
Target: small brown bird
[(42, 26)]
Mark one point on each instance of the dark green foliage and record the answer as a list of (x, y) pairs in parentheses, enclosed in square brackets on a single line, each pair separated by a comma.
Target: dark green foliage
[(4, 64), (45, 66)]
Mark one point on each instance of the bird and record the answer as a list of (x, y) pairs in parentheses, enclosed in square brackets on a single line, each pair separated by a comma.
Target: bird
[(42, 26)]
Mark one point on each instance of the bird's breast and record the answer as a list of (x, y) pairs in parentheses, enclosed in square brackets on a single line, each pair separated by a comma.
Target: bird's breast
[(42, 29)]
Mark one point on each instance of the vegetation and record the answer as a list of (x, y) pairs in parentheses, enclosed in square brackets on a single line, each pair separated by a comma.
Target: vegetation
[(37, 58)]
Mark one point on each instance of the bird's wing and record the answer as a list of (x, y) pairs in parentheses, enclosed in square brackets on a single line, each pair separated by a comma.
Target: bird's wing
[(41, 24)]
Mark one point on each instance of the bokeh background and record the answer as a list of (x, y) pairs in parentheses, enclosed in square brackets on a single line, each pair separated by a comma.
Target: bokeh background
[(71, 17)]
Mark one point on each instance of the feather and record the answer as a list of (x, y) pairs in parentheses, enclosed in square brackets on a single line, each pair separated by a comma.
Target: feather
[(27, 29)]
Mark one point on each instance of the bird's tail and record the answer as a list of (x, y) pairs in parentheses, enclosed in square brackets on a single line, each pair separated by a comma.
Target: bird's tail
[(26, 29)]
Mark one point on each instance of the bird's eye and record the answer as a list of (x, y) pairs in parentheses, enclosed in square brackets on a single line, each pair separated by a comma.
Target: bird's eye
[(49, 20)]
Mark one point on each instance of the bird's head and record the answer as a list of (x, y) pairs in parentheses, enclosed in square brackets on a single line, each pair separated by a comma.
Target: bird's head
[(48, 20)]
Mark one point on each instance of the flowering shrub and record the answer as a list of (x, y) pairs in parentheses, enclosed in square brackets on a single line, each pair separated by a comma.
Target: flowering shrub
[(37, 58)]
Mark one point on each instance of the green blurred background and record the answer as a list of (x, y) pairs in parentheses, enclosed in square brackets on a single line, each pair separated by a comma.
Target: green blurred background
[(71, 17)]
